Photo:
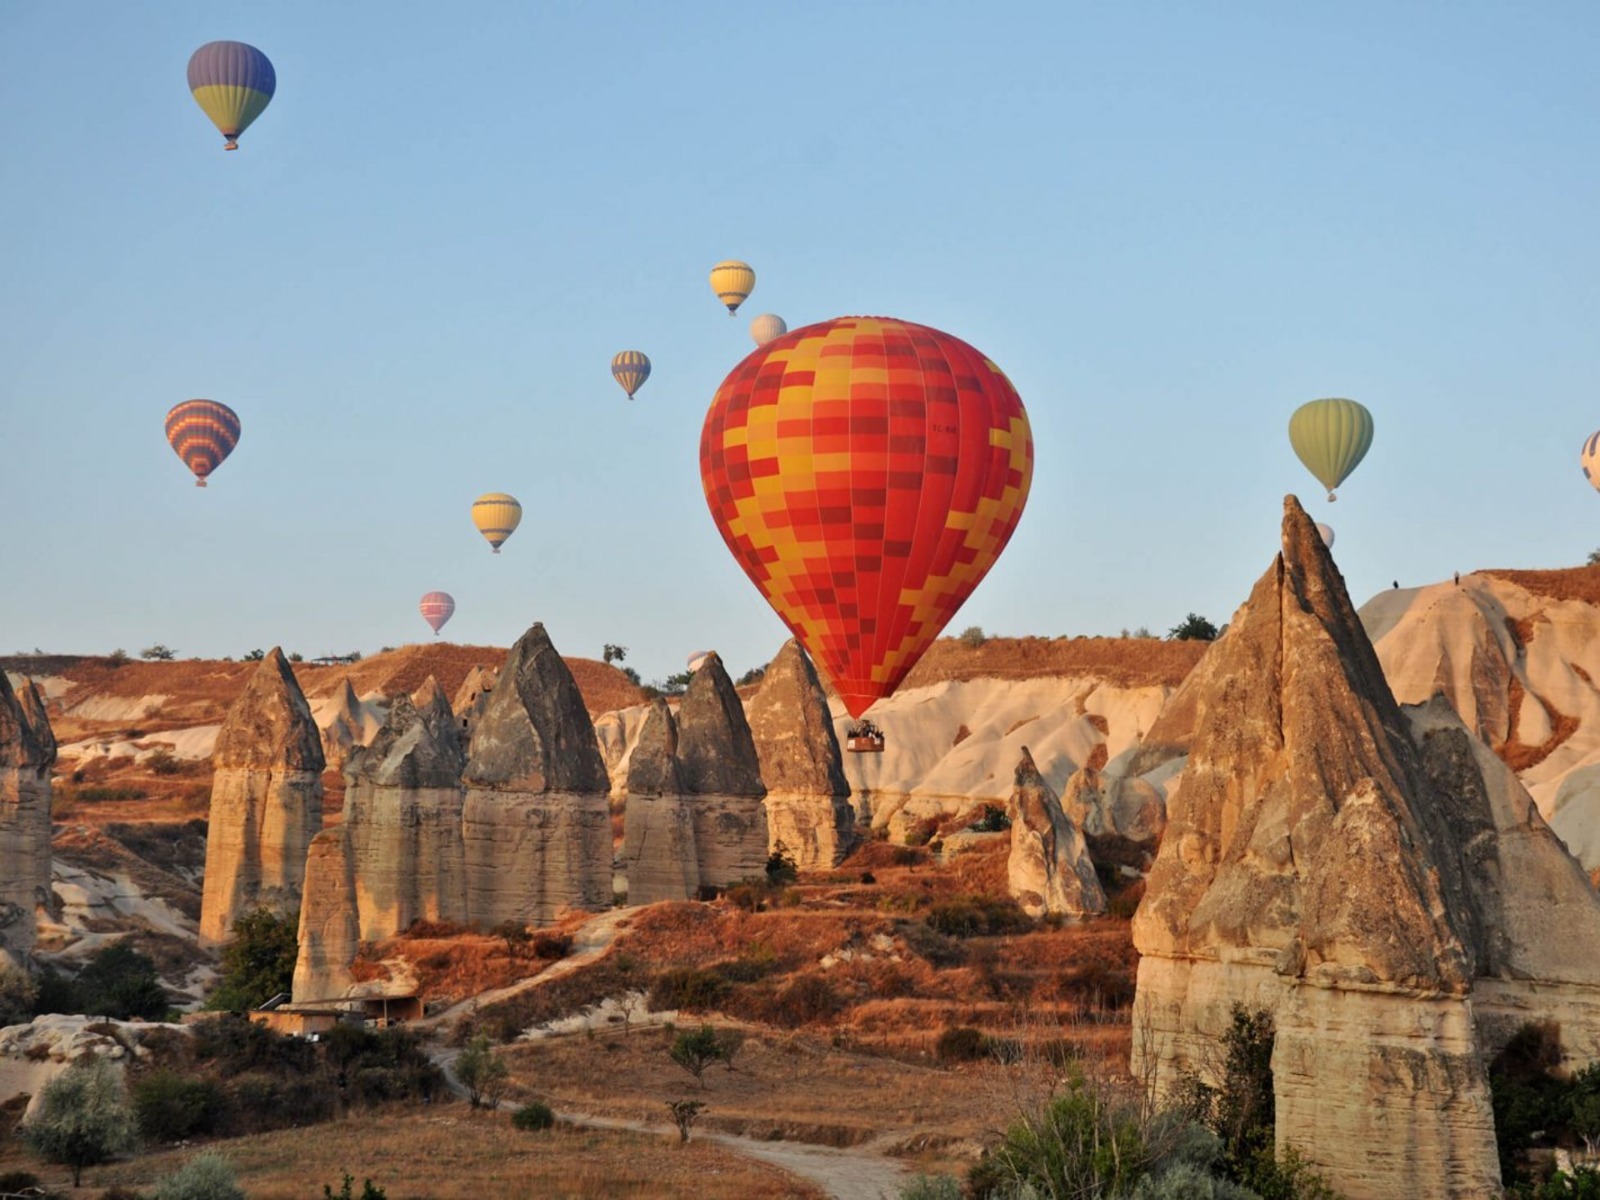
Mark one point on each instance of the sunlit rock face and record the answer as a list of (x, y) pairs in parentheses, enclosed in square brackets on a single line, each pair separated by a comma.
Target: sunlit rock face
[(266, 801), (330, 929), (658, 842), (808, 800), (472, 697), (1049, 870), (27, 752), (1371, 876), (535, 822)]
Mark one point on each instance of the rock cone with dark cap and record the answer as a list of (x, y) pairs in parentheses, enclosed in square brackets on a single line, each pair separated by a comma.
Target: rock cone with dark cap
[(536, 822), (27, 752), (266, 801), (658, 843), (398, 856), (1377, 898), (808, 800), (1049, 870)]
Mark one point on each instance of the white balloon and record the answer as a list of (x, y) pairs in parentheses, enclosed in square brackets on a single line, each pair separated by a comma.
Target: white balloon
[(766, 327), (1327, 534)]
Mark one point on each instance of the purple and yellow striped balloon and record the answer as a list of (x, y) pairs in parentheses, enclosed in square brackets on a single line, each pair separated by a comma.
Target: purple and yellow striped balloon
[(202, 433), (233, 84), (630, 368)]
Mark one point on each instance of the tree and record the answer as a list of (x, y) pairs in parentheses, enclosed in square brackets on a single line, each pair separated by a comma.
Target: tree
[(206, 1176), (18, 992), (674, 685), (615, 653), (753, 675), (259, 962), (1594, 558), (516, 937), (482, 1072), (158, 652), (118, 657), (1193, 628), (684, 1113), (82, 1118), (255, 655), (972, 636), (121, 983), (696, 1051)]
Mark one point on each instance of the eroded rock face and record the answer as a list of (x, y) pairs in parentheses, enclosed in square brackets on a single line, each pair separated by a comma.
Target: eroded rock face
[(403, 806), (330, 930), (266, 801), (658, 844), (472, 697), (27, 752), (1121, 818), (1049, 870), (808, 801), (1369, 877), (345, 725), (535, 822)]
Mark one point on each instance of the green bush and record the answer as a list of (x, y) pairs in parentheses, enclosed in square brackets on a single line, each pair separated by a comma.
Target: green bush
[(369, 1191), (972, 636), (170, 1107), (82, 1118), (932, 1187), (691, 988), (977, 916), (534, 1117), (121, 983), (259, 962), (961, 1044), (206, 1176)]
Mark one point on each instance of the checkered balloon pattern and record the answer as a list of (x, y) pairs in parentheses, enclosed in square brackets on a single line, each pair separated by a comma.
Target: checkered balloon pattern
[(866, 473)]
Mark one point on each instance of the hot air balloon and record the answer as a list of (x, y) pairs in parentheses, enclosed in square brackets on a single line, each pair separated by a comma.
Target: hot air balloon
[(630, 368), (1591, 460), (866, 473), (698, 660), (1331, 437), (766, 327), (497, 516), (203, 433), (1326, 533), (232, 83), (436, 609), (733, 281)]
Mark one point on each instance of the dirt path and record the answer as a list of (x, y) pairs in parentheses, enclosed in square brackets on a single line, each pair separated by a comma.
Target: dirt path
[(591, 940)]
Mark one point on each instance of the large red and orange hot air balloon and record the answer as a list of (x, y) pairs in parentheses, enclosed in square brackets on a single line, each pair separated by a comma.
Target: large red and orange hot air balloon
[(866, 473), (202, 433)]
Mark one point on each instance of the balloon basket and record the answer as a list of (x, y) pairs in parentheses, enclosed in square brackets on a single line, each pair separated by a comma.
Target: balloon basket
[(1331, 497), (231, 146), (199, 483)]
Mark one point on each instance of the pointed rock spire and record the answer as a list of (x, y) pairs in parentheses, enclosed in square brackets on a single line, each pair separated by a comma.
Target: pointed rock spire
[(1049, 870), (716, 753)]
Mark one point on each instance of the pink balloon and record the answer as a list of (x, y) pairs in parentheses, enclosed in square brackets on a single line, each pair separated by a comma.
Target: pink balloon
[(436, 608)]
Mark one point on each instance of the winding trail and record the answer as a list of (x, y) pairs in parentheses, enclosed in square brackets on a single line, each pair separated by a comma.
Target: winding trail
[(844, 1174)]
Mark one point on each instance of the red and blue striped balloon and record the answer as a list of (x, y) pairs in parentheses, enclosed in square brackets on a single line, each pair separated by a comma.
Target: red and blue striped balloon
[(436, 609), (203, 433), (233, 84)]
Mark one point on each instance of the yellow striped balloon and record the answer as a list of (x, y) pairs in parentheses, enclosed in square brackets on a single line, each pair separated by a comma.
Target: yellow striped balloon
[(497, 516), (232, 83), (1590, 460), (1331, 437), (630, 368), (733, 281)]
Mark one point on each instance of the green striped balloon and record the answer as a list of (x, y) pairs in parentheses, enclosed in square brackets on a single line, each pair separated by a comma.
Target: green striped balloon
[(1331, 437)]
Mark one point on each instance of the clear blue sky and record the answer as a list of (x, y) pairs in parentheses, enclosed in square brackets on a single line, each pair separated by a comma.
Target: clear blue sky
[(1170, 224)]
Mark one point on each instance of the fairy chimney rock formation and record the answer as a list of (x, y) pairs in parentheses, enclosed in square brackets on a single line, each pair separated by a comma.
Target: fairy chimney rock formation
[(330, 931), (344, 726), (472, 697), (658, 835), (266, 801), (718, 763), (1049, 871), (27, 752), (808, 800), (1374, 879), (536, 821)]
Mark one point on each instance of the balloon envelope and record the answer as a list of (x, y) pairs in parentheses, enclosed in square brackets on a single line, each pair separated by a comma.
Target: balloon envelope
[(1331, 437), (436, 609), (497, 516), (1326, 531), (202, 433), (698, 660), (1590, 459), (866, 473), (233, 84), (630, 368), (733, 281), (766, 327)]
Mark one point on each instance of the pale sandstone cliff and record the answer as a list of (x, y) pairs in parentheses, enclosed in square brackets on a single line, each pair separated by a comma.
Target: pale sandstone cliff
[(536, 820), (808, 801), (27, 752), (266, 801), (1378, 898)]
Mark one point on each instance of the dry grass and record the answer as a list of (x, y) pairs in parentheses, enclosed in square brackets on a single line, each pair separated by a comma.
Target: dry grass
[(451, 1154), (1128, 662), (1573, 583)]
